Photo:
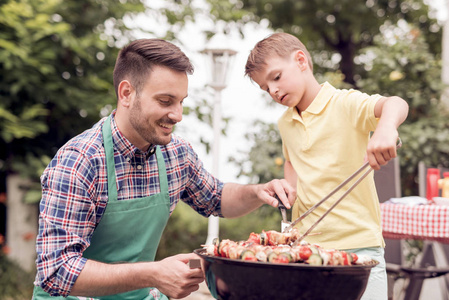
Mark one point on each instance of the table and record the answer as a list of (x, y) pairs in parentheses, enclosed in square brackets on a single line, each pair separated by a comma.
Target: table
[(422, 222)]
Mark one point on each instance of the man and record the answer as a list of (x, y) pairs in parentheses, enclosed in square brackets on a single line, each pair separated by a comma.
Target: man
[(108, 193)]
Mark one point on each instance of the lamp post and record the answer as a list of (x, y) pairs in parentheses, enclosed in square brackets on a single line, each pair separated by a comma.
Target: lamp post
[(445, 58), (219, 61)]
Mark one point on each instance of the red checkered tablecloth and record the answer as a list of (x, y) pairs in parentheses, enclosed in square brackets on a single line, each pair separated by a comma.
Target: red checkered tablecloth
[(425, 222)]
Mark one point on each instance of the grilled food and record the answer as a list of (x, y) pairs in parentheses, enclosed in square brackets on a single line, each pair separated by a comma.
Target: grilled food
[(275, 247)]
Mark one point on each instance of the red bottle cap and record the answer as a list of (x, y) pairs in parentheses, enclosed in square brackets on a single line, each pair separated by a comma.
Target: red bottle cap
[(446, 174), (433, 171)]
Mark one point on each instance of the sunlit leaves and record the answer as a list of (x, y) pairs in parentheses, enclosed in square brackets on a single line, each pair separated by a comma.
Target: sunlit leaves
[(262, 163), (54, 68), (25, 125), (342, 27), (402, 65)]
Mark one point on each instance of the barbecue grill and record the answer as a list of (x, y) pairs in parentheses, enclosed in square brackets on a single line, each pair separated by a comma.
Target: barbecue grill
[(230, 279)]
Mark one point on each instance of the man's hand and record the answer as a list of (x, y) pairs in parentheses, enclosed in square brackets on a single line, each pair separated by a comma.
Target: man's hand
[(238, 200), (174, 277), (280, 187)]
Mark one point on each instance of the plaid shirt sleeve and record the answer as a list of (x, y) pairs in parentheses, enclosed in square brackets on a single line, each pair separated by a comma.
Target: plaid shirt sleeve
[(189, 179), (66, 222)]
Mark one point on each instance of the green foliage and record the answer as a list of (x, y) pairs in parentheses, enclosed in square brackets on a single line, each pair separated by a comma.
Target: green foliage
[(265, 158), (31, 166), (56, 65), (425, 140), (26, 125), (15, 283), (55, 70), (186, 230), (403, 66), (330, 27)]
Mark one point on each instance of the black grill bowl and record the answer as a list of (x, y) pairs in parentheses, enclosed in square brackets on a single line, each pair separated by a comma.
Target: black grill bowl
[(229, 279)]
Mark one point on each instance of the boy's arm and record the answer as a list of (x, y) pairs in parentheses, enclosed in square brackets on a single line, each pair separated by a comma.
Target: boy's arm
[(391, 111), (290, 174)]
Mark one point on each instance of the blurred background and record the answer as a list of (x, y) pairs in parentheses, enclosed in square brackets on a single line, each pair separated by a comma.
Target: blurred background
[(56, 63)]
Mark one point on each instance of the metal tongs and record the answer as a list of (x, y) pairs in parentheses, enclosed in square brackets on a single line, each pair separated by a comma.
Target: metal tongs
[(284, 223), (292, 224)]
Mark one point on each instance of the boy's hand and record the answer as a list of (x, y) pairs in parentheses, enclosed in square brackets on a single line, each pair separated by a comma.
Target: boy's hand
[(382, 147), (391, 111)]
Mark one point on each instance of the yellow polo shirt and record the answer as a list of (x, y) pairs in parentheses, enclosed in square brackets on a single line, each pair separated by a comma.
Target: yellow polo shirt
[(326, 144)]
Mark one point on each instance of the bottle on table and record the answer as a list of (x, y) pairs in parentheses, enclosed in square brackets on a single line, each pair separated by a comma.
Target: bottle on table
[(443, 184), (432, 189)]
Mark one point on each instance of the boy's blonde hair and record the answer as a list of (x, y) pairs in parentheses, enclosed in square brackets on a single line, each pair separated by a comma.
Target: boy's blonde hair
[(280, 44)]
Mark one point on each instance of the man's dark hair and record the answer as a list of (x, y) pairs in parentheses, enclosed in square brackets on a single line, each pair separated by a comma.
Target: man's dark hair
[(136, 60)]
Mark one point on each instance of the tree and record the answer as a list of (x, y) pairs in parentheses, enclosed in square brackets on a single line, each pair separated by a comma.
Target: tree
[(404, 66), (56, 63), (333, 31), (55, 68), (265, 160)]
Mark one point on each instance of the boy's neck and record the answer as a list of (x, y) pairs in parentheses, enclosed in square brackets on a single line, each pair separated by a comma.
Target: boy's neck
[(313, 88)]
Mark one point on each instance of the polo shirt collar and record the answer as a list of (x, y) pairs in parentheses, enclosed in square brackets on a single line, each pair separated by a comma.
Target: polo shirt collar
[(322, 98), (318, 104)]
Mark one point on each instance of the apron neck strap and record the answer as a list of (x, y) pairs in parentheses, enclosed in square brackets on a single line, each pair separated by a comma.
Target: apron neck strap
[(110, 163), (162, 171)]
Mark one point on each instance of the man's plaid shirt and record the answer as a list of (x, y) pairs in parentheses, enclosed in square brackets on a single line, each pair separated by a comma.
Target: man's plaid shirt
[(74, 196)]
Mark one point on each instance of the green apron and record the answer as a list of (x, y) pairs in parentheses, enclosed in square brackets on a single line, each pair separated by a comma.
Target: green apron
[(129, 230)]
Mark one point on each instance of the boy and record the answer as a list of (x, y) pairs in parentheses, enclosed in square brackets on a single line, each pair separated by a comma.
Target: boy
[(326, 137)]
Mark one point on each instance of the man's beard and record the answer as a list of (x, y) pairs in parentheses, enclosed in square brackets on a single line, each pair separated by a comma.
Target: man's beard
[(144, 128)]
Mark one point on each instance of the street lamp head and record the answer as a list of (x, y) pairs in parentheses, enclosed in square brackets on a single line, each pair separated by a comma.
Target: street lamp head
[(220, 61)]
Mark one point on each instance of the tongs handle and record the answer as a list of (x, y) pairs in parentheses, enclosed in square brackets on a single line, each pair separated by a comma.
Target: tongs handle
[(282, 209)]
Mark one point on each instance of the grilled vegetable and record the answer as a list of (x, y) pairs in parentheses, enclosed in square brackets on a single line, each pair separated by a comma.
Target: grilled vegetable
[(248, 255), (271, 256), (283, 258), (315, 260)]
